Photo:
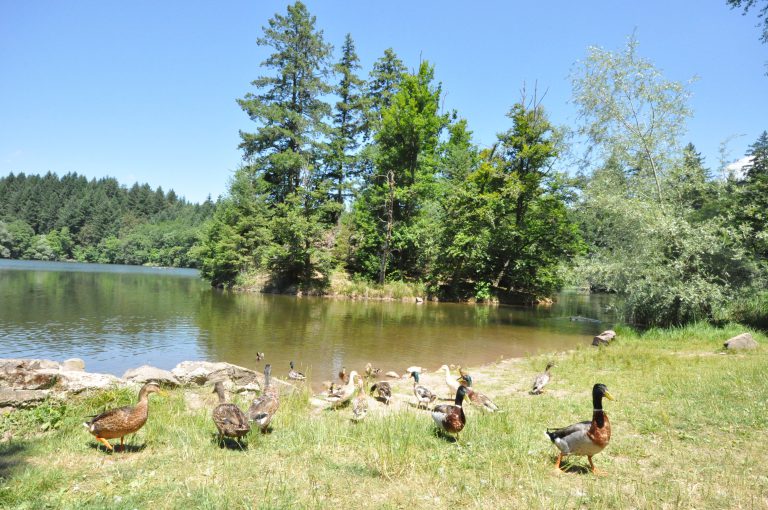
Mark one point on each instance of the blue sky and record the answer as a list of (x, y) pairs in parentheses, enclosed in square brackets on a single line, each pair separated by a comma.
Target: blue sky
[(145, 91)]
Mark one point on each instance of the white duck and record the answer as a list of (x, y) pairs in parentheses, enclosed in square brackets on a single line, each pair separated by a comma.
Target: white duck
[(451, 382)]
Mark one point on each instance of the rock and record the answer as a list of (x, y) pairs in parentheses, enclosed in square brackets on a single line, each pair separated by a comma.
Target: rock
[(146, 373), (202, 372), (604, 338), (28, 374), (742, 341), (392, 374), (74, 381), (74, 364), (579, 318), (22, 398), (419, 300)]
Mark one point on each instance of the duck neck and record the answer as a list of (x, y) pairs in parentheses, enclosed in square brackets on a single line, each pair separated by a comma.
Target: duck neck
[(459, 398), (598, 415)]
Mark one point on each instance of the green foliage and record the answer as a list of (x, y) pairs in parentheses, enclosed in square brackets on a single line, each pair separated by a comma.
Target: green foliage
[(505, 228), (97, 221), (393, 199)]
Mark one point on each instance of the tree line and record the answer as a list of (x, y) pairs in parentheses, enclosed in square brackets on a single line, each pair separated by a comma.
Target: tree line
[(383, 184), (370, 177), (71, 218), (386, 186)]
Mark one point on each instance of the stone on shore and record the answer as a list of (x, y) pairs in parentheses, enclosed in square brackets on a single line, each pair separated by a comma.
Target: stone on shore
[(742, 341), (604, 338), (146, 373)]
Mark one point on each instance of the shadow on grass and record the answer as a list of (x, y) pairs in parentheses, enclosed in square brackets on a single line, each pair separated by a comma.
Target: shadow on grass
[(441, 434), (12, 458), (128, 448), (229, 443), (572, 466)]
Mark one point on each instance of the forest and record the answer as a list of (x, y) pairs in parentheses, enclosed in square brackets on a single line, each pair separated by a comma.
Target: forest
[(369, 177), (72, 218)]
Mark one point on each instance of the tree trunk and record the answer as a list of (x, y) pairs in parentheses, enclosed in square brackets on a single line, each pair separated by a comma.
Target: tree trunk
[(390, 205)]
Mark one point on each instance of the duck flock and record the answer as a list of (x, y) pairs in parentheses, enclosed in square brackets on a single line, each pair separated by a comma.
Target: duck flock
[(586, 438)]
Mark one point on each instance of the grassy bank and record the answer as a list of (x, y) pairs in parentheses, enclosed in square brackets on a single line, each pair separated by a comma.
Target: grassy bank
[(689, 425), (339, 285)]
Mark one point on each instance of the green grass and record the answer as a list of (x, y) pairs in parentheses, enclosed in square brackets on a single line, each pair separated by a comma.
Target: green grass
[(689, 425)]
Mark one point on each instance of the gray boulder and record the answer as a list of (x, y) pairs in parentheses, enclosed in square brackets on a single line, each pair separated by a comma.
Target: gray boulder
[(146, 373), (742, 341), (22, 398), (203, 372), (604, 338), (28, 374)]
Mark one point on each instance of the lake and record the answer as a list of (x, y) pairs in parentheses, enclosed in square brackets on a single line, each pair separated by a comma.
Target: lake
[(121, 317)]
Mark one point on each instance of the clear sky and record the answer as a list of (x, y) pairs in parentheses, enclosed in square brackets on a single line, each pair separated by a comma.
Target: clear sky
[(145, 90)]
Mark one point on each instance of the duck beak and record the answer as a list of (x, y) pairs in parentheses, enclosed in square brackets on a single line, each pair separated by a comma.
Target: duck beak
[(609, 396)]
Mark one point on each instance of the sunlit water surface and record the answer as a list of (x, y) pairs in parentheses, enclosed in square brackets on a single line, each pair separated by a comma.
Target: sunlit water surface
[(120, 317)]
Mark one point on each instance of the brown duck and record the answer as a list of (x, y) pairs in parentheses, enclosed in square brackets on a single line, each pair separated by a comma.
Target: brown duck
[(265, 406), (229, 419), (122, 421)]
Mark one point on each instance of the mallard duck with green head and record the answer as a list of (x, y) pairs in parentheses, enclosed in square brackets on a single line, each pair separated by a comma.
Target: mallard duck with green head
[(295, 374), (587, 437), (422, 393), (122, 421), (450, 418), (475, 397)]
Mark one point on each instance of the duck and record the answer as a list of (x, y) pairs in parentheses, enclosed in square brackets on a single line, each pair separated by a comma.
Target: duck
[(263, 408), (124, 420), (229, 419), (423, 395), (294, 374), (542, 380), (344, 394), (360, 403), (587, 437), (384, 390), (371, 371), (343, 375), (450, 418), (453, 384), (259, 356), (475, 397)]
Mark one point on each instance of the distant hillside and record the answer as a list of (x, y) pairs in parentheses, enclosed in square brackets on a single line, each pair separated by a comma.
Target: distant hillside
[(72, 218)]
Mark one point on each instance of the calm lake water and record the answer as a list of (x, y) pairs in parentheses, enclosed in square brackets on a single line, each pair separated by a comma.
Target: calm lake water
[(120, 317)]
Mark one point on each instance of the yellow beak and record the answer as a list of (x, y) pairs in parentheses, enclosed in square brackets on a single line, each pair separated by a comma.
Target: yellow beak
[(609, 396)]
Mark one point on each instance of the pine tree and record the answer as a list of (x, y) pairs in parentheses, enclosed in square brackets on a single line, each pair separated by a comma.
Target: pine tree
[(289, 109), (347, 121)]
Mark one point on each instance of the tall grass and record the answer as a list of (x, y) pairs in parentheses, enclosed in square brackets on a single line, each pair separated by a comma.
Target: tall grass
[(689, 427)]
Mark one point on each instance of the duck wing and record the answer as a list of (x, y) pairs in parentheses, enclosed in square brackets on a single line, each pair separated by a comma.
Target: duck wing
[(110, 420), (230, 420), (449, 417), (262, 409), (423, 393), (539, 383), (567, 438)]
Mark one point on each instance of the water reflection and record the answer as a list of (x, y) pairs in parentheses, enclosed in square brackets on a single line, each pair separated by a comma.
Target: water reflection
[(119, 317)]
